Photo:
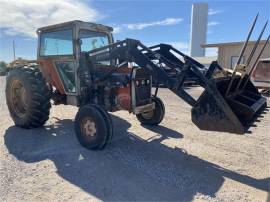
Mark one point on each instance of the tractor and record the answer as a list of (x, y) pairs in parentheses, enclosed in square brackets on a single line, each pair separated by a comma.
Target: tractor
[(78, 63)]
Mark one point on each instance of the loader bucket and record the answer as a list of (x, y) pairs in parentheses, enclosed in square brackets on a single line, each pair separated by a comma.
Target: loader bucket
[(215, 111)]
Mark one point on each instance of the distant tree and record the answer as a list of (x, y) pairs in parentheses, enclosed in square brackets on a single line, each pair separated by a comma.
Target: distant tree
[(3, 68)]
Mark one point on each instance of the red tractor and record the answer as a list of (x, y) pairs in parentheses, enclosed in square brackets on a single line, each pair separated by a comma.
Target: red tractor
[(79, 64)]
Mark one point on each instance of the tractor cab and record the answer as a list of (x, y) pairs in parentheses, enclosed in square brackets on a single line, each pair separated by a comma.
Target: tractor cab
[(59, 49)]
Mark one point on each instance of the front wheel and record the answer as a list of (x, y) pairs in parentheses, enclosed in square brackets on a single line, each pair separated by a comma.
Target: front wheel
[(155, 116), (93, 127)]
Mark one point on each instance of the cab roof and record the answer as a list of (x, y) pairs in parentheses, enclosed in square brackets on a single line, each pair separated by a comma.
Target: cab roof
[(77, 23)]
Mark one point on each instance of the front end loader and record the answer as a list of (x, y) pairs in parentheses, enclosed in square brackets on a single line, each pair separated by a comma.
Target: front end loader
[(79, 64)]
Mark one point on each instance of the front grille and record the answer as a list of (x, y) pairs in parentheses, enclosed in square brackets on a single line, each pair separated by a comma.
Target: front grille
[(143, 90)]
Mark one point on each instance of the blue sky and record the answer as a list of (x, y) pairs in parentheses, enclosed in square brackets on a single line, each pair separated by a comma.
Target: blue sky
[(149, 21)]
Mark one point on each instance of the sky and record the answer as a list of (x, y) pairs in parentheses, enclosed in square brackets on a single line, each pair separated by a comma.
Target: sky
[(150, 21)]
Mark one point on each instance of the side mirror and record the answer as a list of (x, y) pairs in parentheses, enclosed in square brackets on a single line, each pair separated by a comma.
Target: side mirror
[(80, 42)]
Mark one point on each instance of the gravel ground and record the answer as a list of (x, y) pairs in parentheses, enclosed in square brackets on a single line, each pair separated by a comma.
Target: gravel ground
[(174, 161)]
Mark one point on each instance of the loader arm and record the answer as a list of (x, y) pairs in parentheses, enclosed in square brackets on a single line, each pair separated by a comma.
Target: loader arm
[(131, 50), (212, 110)]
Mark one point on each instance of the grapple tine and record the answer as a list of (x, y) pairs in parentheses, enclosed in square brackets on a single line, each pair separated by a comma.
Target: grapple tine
[(251, 55), (255, 63), (241, 55), (256, 45)]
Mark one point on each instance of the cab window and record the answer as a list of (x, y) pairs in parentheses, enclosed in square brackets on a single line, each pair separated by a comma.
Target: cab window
[(66, 70), (56, 43), (90, 40)]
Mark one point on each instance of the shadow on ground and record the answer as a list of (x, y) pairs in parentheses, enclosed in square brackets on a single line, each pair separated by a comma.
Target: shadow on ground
[(129, 169)]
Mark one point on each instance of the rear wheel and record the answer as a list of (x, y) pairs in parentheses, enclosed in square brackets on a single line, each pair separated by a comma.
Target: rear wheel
[(155, 116), (28, 97), (93, 127)]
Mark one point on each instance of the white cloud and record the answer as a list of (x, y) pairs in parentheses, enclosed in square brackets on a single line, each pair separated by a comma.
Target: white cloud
[(213, 23), (214, 12), (116, 30), (24, 17), (165, 22)]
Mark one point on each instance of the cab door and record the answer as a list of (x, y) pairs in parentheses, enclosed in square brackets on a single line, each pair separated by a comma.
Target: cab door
[(57, 59)]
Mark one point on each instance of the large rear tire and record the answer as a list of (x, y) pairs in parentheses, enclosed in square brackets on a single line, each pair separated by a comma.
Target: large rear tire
[(155, 116), (27, 97), (93, 127)]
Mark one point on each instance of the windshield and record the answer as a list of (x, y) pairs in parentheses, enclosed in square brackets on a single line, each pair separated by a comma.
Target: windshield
[(56, 43), (91, 40)]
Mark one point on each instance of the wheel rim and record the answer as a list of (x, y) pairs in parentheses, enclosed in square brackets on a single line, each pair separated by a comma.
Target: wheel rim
[(18, 98), (88, 127), (148, 114)]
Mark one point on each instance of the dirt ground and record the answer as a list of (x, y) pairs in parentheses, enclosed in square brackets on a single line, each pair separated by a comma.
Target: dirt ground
[(174, 161)]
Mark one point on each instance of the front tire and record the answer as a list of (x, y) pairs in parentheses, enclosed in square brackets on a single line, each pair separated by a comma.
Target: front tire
[(93, 127), (155, 116), (27, 97)]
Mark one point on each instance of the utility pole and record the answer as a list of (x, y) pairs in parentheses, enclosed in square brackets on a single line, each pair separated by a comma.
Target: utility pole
[(14, 55)]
